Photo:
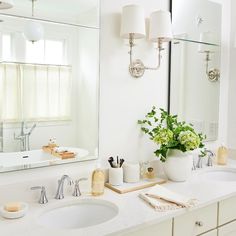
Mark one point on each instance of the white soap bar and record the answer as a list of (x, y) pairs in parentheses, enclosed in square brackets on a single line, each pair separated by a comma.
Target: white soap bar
[(12, 207)]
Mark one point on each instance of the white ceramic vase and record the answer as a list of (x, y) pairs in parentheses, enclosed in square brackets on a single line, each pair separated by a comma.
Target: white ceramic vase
[(178, 165)]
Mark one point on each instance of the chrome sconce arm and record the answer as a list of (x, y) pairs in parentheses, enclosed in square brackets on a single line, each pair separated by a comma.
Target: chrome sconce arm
[(133, 27), (207, 47), (213, 74), (137, 67)]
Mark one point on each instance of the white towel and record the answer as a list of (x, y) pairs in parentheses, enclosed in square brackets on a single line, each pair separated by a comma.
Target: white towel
[(163, 199)]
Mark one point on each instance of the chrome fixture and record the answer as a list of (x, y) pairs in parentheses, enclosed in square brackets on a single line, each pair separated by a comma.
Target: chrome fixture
[(33, 30), (210, 155), (208, 47), (133, 27), (77, 192), (60, 188), (194, 165), (24, 136), (199, 162), (43, 198)]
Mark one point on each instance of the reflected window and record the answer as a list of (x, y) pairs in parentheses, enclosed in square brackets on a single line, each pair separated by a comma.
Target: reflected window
[(6, 47), (45, 51)]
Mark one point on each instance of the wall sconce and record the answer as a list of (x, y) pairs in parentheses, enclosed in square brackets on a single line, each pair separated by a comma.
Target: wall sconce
[(208, 38), (133, 27)]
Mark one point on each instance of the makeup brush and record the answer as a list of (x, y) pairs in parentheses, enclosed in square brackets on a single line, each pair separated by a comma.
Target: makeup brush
[(110, 160), (121, 162)]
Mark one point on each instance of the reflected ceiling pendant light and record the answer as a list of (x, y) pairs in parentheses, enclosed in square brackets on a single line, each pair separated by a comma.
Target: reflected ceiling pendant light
[(6, 4), (33, 30)]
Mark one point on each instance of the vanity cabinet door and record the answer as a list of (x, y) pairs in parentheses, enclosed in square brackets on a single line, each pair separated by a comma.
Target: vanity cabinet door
[(227, 230), (196, 222), (161, 229), (227, 210)]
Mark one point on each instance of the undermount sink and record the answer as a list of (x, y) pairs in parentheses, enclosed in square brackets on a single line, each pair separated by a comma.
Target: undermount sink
[(85, 213), (227, 175)]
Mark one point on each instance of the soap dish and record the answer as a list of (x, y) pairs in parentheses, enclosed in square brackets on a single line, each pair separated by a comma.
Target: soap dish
[(14, 215)]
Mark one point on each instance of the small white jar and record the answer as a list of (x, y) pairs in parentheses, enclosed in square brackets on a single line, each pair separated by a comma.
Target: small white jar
[(131, 172), (116, 176)]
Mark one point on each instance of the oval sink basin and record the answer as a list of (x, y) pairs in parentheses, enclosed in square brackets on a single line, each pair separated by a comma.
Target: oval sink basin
[(82, 214), (220, 175)]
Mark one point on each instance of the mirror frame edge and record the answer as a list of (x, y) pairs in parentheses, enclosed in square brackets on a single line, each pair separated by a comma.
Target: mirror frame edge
[(169, 66)]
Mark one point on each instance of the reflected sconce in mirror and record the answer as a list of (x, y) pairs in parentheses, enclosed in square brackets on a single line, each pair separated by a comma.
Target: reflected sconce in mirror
[(33, 30), (208, 47), (133, 27)]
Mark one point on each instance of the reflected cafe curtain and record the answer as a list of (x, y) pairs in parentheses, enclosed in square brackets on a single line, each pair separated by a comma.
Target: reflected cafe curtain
[(34, 92)]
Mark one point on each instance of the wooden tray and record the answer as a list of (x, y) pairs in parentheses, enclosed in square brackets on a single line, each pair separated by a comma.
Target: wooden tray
[(62, 155), (130, 187)]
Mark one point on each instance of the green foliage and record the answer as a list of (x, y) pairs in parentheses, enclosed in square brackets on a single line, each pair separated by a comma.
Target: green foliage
[(168, 133)]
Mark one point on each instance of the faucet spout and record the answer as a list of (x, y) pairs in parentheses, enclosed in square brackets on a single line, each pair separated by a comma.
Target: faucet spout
[(31, 130), (24, 136), (210, 157), (60, 188)]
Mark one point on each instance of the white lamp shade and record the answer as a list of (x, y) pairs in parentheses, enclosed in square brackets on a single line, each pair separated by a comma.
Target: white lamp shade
[(160, 26), (6, 4), (133, 22), (207, 37), (33, 31)]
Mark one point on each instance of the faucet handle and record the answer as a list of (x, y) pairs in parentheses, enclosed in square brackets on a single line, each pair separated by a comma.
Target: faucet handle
[(77, 191), (43, 197)]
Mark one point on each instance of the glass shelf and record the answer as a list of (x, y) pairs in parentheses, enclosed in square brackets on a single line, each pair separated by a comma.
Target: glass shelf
[(195, 41)]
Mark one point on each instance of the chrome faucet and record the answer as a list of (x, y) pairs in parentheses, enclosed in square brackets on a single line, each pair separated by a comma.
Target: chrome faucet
[(199, 162), (77, 192), (210, 155), (60, 188), (43, 198), (24, 135)]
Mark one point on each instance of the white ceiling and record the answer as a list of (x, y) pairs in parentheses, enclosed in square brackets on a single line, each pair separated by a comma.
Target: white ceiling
[(70, 11)]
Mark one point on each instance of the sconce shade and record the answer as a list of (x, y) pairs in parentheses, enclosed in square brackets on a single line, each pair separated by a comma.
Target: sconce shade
[(207, 37), (33, 31), (132, 22), (6, 4), (160, 26)]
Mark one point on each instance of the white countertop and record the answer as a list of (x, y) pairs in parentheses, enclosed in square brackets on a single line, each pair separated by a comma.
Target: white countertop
[(133, 212)]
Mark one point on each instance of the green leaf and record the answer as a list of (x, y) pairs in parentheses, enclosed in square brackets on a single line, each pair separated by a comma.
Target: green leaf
[(145, 130)]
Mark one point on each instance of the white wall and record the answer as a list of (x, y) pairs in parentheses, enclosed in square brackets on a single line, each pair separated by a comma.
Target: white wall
[(123, 99)]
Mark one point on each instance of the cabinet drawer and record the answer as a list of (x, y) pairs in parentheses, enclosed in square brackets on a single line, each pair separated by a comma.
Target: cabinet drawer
[(161, 229), (196, 222), (227, 210), (227, 230)]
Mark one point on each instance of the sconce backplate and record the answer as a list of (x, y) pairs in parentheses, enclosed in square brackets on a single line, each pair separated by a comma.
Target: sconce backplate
[(213, 75), (137, 69)]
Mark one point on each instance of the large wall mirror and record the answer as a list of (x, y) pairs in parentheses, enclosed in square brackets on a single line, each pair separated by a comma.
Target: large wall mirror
[(49, 87), (195, 64)]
